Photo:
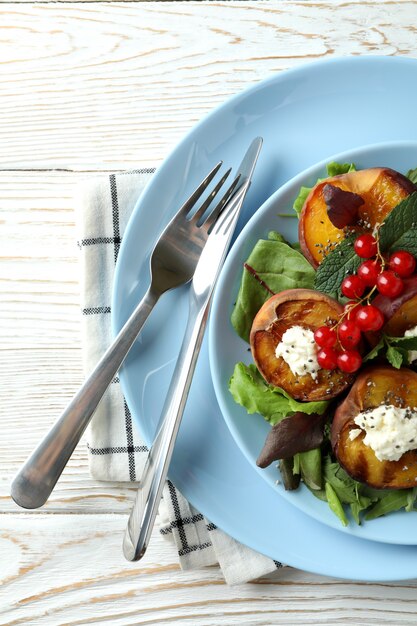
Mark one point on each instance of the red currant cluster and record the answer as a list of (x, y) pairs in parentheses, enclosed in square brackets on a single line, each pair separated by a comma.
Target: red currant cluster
[(358, 317), (372, 272), (328, 357)]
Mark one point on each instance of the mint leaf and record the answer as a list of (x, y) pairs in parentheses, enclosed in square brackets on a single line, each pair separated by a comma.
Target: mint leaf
[(272, 266), (405, 343), (334, 267), (397, 349), (412, 175), (399, 230), (249, 389), (375, 351), (395, 357), (334, 169)]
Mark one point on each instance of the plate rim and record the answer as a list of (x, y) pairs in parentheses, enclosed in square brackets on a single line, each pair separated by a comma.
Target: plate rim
[(276, 78), (270, 205), (117, 315)]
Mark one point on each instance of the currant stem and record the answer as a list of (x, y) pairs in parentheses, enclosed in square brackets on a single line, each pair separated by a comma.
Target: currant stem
[(379, 256), (367, 298)]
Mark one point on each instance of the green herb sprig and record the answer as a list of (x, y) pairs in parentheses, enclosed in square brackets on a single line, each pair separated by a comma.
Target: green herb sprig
[(395, 349)]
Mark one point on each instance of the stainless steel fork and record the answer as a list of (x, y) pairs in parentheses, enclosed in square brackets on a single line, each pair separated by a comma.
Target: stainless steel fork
[(173, 262), (142, 516)]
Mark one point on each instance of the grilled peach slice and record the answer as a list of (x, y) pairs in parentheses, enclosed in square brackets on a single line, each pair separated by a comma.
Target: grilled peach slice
[(373, 387), (400, 312), (295, 307), (380, 189)]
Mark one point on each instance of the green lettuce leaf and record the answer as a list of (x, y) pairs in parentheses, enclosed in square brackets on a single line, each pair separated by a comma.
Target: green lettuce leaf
[(396, 356), (300, 199), (411, 498), (412, 175), (274, 235), (334, 169), (311, 468), (249, 389), (335, 504), (272, 266), (389, 502), (343, 490)]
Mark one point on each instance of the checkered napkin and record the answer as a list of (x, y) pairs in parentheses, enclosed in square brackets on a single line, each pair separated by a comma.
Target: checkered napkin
[(116, 452)]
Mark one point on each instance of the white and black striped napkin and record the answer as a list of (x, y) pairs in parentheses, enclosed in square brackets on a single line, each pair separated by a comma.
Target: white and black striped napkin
[(116, 452)]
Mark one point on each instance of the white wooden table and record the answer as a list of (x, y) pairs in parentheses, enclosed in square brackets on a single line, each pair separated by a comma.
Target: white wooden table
[(90, 87)]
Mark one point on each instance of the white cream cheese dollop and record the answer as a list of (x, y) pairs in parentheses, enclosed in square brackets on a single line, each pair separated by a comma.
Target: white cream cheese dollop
[(390, 431), (412, 354), (299, 350)]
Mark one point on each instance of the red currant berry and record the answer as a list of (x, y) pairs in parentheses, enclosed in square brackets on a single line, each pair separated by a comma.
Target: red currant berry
[(325, 337), (389, 284), (349, 361), (353, 286), (349, 334), (403, 263), (365, 246), (369, 271), (327, 358), (369, 318), (350, 309)]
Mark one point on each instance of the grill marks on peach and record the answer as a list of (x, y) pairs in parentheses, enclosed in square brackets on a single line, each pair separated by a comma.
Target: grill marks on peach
[(403, 319), (375, 386), (296, 307)]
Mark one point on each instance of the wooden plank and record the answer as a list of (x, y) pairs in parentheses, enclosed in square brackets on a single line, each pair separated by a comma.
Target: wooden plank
[(116, 85), (40, 333), (66, 568), (69, 570), (104, 86)]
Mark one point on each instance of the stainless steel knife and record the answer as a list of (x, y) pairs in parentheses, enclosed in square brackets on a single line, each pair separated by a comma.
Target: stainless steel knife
[(143, 514)]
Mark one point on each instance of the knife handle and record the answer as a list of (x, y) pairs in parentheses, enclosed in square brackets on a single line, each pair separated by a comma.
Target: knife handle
[(142, 516), (35, 481)]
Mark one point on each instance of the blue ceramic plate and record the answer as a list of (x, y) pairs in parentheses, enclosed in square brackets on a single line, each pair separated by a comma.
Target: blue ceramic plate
[(226, 348), (304, 115)]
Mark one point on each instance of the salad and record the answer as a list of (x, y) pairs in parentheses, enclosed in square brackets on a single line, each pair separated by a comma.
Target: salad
[(332, 326)]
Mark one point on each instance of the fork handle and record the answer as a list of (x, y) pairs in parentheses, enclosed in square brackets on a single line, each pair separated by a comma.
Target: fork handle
[(36, 479), (148, 496)]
